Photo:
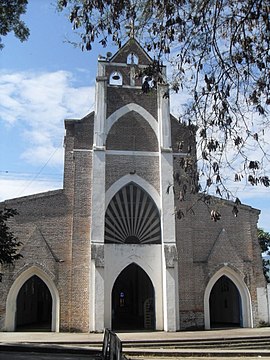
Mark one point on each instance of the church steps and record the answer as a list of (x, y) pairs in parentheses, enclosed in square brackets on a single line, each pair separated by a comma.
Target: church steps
[(231, 343), (253, 343)]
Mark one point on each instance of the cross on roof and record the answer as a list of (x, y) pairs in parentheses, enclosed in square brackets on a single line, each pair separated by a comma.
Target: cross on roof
[(132, 28)]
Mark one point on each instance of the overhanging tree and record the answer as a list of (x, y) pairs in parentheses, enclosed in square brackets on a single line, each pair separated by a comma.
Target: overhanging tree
[(9, 244), (264, 241), (10, 19), (220, 54)]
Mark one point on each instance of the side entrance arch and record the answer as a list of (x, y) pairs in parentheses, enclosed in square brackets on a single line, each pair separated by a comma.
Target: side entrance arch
[(225, 304), (133, 300), (227, 300), (34, 306), (32, 300)]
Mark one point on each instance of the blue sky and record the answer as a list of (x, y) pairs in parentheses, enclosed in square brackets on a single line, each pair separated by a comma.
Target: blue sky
[(42, 82)]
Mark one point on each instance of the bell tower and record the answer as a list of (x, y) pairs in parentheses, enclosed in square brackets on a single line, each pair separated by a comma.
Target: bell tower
[(132, 169)]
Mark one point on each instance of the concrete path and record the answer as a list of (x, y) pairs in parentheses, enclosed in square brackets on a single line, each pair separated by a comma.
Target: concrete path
[(76, 338)]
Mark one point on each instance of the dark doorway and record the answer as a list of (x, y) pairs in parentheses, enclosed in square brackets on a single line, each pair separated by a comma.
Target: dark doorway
[(133, 304), (34, 306), (225, 304)]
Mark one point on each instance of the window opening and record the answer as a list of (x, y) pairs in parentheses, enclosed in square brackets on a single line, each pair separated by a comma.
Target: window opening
[(132, 59), (116, 78)]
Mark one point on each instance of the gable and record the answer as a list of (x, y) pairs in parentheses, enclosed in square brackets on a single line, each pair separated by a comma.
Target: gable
[(36, 249), (131, 46), (223, 251)]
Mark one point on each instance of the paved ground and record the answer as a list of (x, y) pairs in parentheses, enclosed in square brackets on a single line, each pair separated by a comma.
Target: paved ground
[(71, 338), (50, 356), (74, 341), (6, 355)]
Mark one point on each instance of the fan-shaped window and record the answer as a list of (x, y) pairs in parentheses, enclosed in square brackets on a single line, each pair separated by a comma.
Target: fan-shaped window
[(116, 78), (132, 59), (132, 218)]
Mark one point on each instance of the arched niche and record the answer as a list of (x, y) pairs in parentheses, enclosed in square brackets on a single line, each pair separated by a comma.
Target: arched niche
[(116, 78), (116, 115), (132, 132)]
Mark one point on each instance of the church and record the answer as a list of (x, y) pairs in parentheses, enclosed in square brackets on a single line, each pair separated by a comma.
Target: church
[(111, 248)]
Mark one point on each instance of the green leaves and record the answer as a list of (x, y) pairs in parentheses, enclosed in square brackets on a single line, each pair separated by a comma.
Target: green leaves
[(10, 13), (8, 242), (264, 242), (220, 55)]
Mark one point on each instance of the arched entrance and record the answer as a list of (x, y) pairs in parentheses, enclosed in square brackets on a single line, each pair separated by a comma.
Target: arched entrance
[(34, 306), (225, 304), (11, 303), (244, 298), (133, 300)]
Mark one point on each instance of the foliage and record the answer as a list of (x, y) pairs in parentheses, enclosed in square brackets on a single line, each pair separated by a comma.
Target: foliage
[(220, 52), (8, 242), (264, 241), (10, 13)]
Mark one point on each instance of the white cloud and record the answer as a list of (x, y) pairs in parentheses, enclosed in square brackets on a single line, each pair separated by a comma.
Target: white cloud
[(33, 105), (14, 187), (54, 156), (40, 102)]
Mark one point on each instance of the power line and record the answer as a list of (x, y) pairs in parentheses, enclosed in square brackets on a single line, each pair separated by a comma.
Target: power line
[(39, 172), (26, 173)]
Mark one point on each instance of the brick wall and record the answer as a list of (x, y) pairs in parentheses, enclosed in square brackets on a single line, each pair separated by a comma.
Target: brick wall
[(146, 167), (44, 227), (204, 246), (132, 132), (118, 97)]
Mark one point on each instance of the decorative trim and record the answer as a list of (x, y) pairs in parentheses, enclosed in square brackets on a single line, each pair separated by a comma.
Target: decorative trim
[(131, 153), (116, 186), (132, 217), (114, 117)]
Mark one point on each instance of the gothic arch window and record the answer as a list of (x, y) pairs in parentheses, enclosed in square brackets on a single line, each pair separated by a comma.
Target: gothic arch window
[(116, 78), (132, 217), (132, 58)]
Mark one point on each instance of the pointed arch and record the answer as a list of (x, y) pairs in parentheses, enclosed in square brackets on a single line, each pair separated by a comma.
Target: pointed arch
[(133, 294), (243, 291), (113, 118), (132, 59), (14, 291), (147, 257), (136, 179)]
